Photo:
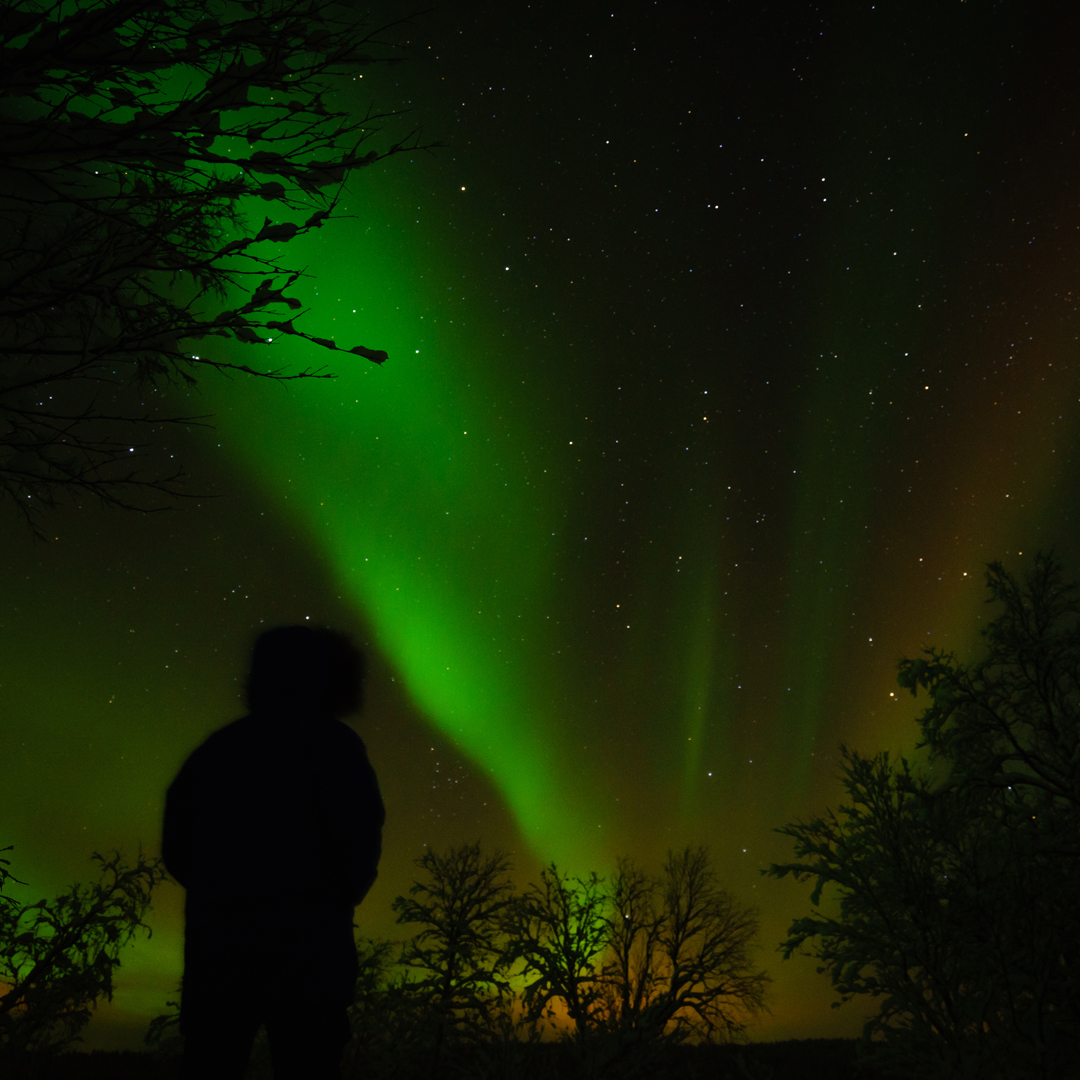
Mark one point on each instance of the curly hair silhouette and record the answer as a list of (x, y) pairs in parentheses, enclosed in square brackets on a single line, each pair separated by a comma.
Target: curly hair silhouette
[(305, 667)]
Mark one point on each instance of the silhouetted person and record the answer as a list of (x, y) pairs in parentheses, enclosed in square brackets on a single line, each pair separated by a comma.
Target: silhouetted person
[(274, 828)]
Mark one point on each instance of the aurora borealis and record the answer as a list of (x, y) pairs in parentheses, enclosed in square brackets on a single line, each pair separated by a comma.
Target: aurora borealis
[(727, 346)]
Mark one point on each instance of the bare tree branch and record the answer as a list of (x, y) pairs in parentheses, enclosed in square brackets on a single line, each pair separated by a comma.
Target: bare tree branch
[(57, 957), (135, 138)]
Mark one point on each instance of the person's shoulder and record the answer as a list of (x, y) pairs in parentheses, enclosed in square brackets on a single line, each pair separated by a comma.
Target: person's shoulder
[(234, 731), (238, 736), (221, 745), (340, 734), (261, 732)]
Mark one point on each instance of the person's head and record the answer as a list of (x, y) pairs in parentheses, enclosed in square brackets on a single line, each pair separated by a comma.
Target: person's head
[(307, 668)]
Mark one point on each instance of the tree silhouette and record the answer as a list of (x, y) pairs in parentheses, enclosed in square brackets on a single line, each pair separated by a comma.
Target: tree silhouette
[(134, 140), (458, 953), (638, 966), (957, 890), (639, 963), (559, 929), (388, 1026), (6, 876), (163, 1034), (633, 974), (681, 962), (57, 958), (1009, 722), (648, 959)]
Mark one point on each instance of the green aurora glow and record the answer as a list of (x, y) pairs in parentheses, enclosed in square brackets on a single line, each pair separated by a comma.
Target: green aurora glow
[(640, 547)]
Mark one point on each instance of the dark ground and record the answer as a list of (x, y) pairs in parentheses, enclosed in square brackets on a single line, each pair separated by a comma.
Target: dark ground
[(796, 1059)]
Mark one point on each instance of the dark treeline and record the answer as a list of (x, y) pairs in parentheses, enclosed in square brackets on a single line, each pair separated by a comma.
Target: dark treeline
[(588, 976), (635, 974)]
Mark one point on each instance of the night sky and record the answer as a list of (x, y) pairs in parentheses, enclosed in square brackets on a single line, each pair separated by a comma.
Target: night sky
[(728, 343)]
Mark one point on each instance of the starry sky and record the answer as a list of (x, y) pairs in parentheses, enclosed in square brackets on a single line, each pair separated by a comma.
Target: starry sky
[(728, 343)]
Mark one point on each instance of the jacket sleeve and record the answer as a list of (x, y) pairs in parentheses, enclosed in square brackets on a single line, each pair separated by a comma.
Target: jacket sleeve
[(352, 809), (177, 828)]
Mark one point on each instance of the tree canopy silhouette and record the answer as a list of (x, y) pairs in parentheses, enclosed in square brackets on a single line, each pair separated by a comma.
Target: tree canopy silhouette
[(459, 905), (135, 139), (642, 961), (57, 957), (679, 963), (490, 962), (559, 930), (957, 886), (636, 964)]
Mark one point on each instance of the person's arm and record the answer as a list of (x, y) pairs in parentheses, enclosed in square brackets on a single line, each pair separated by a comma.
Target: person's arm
[(177, 826), (355, 817)]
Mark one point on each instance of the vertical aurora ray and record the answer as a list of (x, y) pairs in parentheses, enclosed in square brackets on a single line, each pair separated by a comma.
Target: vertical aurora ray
[(864, 344), (826, 537), (704, 707)]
